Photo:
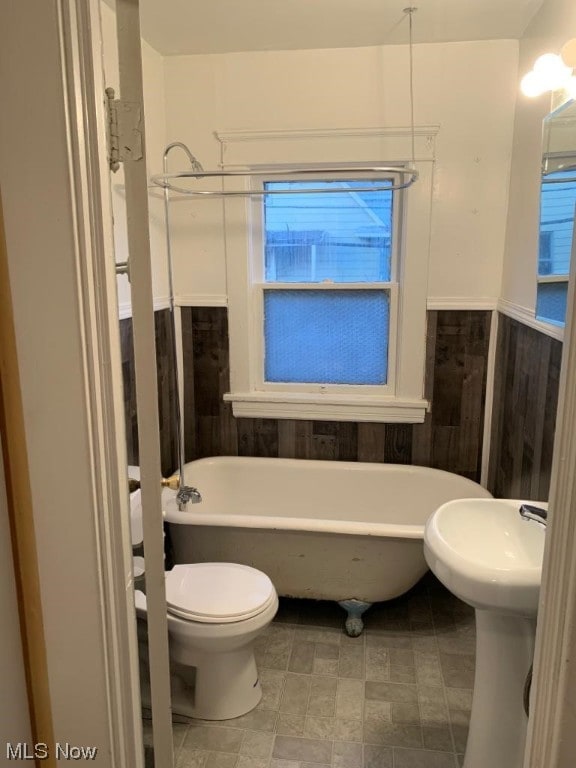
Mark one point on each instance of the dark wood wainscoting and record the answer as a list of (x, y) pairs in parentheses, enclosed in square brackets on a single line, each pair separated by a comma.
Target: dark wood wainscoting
[(166, 400), (524, 414), (450, 438)]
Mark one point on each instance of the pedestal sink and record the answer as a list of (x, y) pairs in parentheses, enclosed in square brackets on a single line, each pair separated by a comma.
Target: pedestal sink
[(490, 557)]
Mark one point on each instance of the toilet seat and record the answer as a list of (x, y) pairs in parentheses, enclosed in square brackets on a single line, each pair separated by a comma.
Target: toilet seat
[(217, 593)]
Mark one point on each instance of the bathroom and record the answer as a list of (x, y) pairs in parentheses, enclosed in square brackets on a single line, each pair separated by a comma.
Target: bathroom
[(492, 370)]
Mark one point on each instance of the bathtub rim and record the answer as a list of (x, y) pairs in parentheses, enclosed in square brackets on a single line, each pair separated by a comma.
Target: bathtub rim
[(267, 523), (193, 516)]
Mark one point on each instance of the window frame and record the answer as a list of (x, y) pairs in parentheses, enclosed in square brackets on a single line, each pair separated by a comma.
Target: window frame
[(260, 285), (551, 277), (404, 400)]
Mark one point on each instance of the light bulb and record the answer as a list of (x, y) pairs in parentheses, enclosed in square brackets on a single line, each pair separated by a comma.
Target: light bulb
[(552, 69), (568, 53), (532, 84)]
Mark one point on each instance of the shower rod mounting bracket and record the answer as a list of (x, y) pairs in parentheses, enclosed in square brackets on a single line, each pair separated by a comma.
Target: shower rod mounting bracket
[(124, 120)]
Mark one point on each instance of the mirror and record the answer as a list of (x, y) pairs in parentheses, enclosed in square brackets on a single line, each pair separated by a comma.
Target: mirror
[(557, 201)]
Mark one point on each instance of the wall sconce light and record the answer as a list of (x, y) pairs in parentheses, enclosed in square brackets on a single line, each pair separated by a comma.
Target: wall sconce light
[(552, 72), (568, 53)]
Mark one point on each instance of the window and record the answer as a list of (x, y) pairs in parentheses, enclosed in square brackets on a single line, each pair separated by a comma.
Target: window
[(557, 202), (327, 290)]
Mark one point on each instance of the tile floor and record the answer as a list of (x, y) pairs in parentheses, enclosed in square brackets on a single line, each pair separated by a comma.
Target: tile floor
[(399, 696)]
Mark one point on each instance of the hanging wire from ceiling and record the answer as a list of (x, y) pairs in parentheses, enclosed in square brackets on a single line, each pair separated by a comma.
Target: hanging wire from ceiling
[(410, 11)]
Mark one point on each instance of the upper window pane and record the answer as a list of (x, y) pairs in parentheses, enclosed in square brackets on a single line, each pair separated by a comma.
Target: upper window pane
[(342, 237), (557, 201)]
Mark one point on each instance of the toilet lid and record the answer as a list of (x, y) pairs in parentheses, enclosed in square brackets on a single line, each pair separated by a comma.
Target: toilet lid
[(217, 592)]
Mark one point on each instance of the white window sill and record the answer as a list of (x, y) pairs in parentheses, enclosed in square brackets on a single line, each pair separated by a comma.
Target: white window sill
[(268, 405)]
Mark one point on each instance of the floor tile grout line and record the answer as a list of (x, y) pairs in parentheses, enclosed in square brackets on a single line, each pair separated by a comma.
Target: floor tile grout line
[(179, 750), (450, 728)]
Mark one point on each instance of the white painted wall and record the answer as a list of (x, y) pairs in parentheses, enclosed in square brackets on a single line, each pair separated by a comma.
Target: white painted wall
[(14, 716), (469, 89), (42, 251), (552, 26), (155, 126)]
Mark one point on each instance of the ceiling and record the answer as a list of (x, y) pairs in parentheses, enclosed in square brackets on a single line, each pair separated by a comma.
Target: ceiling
[(175, 27)]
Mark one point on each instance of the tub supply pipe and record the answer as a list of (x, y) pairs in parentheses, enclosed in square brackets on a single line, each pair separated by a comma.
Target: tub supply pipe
[(172, 482)]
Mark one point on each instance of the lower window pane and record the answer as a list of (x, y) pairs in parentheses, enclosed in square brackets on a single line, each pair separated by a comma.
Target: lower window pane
[(551, 301), (326, 337)]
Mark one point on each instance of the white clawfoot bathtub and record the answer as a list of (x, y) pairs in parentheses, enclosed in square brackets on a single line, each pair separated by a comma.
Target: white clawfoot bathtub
[(326, 530)]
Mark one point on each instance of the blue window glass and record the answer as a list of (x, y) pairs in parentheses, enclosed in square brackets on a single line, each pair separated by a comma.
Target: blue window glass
[(326, 336), (551, 301), (557, 201), (343, 236)]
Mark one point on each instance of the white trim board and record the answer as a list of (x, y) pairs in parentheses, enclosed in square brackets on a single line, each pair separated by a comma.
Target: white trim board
[(244, 266), (224, 137), (137, 219), (435, 302), (201, 300), (551, 740), (526, 316), (461, 302), (163, 302), (313, 147), (456, 303), (334, 408), (125, 308)]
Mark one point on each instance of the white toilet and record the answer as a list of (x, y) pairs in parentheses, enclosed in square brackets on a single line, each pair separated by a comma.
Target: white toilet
[(215, 613)]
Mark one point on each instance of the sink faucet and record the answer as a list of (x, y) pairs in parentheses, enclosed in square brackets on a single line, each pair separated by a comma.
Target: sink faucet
[(530, 512)]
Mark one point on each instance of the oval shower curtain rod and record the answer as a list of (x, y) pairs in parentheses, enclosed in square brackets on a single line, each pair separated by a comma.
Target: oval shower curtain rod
[(407, 177)]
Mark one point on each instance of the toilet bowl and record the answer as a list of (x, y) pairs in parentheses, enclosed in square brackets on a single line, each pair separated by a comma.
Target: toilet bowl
[(215, 613)]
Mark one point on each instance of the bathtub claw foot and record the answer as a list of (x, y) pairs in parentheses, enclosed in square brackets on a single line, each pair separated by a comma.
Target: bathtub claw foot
[(354, 609)]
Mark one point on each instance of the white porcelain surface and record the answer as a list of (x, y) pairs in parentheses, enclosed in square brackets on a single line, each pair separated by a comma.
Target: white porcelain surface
[(327, 530), (213, 670), (217, 592), (136, 528), (486, 554)]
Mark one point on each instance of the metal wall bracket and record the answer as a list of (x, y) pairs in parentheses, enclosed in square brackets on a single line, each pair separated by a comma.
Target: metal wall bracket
[(123, 268), (124, 130)]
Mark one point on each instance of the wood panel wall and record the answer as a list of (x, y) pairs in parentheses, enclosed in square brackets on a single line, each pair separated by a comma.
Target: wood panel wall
[(523, 424), (450, 438), (524, 415), (166, 398)]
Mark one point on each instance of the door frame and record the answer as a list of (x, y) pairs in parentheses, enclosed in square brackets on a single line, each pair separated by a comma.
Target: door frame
[(551, 727)]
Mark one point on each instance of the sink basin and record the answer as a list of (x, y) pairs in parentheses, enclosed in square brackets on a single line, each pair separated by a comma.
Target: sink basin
[(486, 554), (490, 557)]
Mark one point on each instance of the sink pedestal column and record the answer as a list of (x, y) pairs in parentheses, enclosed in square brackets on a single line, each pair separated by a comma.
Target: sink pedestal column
[(504, 652)]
